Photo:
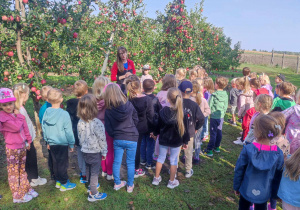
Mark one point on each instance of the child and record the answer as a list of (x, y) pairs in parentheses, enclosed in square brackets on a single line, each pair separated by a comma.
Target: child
[(259, 167), (292, 131), (98, 91), (21, 93), (146, 75), (80, 89), (265, 83), (253, 75), (218, 104), (14, 128), (200, 71), (197, 96), (195, 122), (172, 128), (289, 188), (121, 120), (280, 78), (262, 105), (246, 72), (91, 134), (57, 129), (233, 98), (208, 87), (285, 100), (180, 75), (148, 142), (144, 108), (245, 100), (255, 84), (168, 82), (192, 75)]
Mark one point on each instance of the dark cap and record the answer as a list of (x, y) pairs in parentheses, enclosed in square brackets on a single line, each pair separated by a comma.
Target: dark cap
[(281, 76), (186, 86)]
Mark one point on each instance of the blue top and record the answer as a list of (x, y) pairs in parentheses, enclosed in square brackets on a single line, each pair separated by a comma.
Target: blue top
[(289, 191), (126, 65), (257, 173), (42, 110), (275, 94), (57, 127)]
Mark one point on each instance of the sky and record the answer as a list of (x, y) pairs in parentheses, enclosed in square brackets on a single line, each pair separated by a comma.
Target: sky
[(257, 24)]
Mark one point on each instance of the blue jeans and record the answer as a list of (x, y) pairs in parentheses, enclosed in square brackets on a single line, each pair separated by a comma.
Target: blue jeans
[(174, 153), (215, 130), (119, 147), (205, 128), (147, 149), (198, 142)]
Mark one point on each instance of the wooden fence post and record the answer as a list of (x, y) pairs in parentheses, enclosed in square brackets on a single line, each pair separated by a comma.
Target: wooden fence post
[(282, 64), (262, 59), (298, 60), (272, 58)]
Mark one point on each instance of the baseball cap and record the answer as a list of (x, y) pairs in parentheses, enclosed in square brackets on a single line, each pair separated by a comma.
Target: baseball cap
[(6, 95), (281, 76), (186, 86)]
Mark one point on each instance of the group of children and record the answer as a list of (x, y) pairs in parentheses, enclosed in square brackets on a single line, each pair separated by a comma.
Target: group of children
[(152, 128)]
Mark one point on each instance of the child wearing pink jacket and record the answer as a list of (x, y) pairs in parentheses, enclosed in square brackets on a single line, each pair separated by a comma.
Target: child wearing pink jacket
[(14, 128)]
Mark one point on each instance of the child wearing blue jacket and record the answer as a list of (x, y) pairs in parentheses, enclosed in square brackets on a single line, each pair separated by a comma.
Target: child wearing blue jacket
[(58, 133), (259, 167)]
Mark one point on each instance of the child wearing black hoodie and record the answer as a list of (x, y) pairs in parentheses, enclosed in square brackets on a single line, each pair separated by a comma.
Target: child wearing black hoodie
[(144, 108), (195, 122), (80, 89), (121, 120), (173, 130)]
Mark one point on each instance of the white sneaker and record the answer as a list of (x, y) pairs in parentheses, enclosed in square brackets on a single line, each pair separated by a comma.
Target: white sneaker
[(38, 181), (103, 174), (156, 181), (189, 174), (25, 199), (238, 142), (33, 193), (109, 177), (173, 184)]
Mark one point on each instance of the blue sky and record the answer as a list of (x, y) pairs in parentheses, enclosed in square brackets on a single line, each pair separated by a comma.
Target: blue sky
[(258, 24)]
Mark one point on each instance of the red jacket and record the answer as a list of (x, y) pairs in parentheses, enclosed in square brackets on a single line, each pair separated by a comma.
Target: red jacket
[(246, 121), (115, 73)]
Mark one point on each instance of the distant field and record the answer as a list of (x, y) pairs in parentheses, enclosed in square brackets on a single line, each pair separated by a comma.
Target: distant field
[(267, 53)]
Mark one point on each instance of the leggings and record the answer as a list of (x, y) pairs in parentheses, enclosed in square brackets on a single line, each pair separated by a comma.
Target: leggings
[(245, 205), (163, 150)]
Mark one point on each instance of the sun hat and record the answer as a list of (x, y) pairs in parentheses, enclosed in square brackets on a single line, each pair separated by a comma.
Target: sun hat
[(186, 87), (146, 67), (6, 95)]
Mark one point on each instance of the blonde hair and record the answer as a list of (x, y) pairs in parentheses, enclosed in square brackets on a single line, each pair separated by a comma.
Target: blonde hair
[(113, 96), (208, 84), (266, 127), (244, 82), (80, 88), (200, 71), (19, 89), (133, 88), (222, 82), (265, 78), (180, 73), (175, 98), (198, 90), (87, 107), (292, 166), (168, 81), (98, 86), (287, 88), (44, 92), (233, 80), (54, 96), (253, 75), (265, 102), (199, 80), (193, 73)]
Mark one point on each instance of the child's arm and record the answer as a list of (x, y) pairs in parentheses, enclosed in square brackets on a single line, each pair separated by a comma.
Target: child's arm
[(135, 117), (250, 137), (26, 131), (14, 125), (277, 176), (242, 108), (240, 169), (199, 118), (211, 101), (206, 108), (100, 133), (186, 135), (69, 131), (109, 128)]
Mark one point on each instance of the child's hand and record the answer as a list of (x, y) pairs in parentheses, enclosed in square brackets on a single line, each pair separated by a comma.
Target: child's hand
[(48, 146), (71, 149), (28, 147), (236, 192), (16, 111), (152, 136), (185, 146), (103, 157)]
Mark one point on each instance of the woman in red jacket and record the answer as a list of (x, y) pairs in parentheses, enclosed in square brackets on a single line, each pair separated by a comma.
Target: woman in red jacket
[(122, 68)]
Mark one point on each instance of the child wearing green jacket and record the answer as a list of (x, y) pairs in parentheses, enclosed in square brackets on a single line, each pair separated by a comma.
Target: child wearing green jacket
[(218, 104)]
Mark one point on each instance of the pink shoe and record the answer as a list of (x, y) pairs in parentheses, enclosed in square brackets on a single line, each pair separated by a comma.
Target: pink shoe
[(269, 207), (130, 189), (119, 186)]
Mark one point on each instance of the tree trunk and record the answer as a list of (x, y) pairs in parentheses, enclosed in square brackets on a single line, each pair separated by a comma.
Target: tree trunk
[(107, 54), (19, 39), (272, 58), (282, 64)]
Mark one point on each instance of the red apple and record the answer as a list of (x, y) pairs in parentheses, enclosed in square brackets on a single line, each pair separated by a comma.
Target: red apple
[(134, 54), (25, 1), (108, 31), (11, 18), (19, 77), (4, 18), (30, 76), (38, 97), (6, 73), (75, 35), (63, 21), (5, 79), (33, 89), (43, 81), (38, 92), (79, 2), (10, 54), (62, 106), (18, 19), (45, 54), (142, 51)]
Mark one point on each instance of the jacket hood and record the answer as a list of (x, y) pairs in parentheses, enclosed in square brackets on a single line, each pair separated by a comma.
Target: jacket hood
[(140, 104), (52, 116), (268, 157), (168, 116), (285, 103), (221, 95), (101, 105), (120, 113), (297, 110)]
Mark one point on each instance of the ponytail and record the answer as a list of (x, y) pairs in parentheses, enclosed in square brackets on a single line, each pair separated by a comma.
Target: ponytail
[(133, 88), (247, 85), (198, 91)]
